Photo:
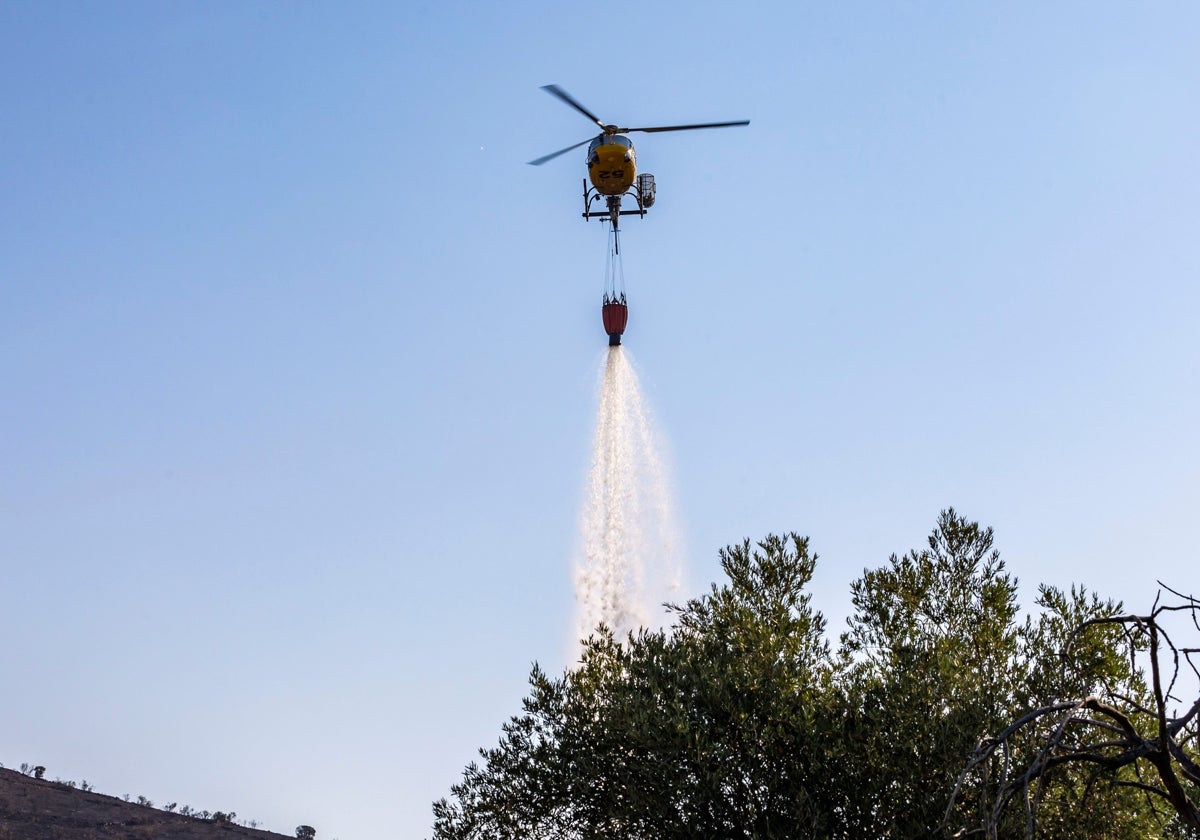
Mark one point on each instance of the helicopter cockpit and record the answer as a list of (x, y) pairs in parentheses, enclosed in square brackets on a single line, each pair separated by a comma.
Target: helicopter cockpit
[(608, 140)]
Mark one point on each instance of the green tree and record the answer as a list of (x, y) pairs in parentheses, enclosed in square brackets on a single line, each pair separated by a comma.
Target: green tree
[(739, 721), (935, 662), (1100, 751), (708, 730), (926, 671)]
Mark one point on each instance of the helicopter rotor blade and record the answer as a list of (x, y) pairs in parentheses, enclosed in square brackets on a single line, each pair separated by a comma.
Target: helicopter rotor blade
[(652, 129), (553, 155), (555, 90)]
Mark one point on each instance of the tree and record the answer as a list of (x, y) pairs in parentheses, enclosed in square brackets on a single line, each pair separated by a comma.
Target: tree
[(739, 721), (305, 832), (1109, 738), (682, 734), (927, 668)]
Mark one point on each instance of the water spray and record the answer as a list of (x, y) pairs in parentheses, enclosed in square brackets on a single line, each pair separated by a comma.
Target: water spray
[(630, 560)]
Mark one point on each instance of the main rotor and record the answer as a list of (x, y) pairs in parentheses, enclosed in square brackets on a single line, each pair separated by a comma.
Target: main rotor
[(609, 129)]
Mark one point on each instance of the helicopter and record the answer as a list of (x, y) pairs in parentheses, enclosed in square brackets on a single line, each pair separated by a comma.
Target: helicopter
[(612, 163)]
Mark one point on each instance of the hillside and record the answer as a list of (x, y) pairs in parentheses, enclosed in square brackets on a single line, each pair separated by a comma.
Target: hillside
[(39, 809)]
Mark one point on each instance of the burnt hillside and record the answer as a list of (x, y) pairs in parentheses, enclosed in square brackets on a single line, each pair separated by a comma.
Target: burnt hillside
[(39, 809)]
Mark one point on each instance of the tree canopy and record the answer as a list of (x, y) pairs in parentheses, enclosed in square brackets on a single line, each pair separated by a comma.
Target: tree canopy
[(743, 720)]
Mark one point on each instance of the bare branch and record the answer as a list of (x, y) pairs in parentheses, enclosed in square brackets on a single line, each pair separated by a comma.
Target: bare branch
[(1103, 731)]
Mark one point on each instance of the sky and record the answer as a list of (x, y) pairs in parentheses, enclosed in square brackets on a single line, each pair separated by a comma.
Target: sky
[(300, 358)]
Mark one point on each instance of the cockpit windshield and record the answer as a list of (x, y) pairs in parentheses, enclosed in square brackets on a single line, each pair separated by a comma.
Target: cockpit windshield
[(614, 140)]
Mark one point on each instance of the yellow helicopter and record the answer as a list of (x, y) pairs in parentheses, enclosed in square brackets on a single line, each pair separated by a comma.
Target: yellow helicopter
[(612, 163)]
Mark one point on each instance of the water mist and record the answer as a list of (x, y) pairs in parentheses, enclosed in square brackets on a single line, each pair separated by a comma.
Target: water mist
[(630, 560)]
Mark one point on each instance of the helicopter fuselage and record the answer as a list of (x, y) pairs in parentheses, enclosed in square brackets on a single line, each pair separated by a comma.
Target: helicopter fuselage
[(612, 164)]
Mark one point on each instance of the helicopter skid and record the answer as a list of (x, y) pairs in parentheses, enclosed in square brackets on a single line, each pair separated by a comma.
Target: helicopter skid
[(591, 195), (605, 214)]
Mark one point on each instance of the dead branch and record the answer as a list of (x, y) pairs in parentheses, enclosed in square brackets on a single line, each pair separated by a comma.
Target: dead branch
[(1129, 726)]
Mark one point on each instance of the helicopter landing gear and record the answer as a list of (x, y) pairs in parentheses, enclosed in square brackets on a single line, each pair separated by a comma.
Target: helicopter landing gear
[(643, 194)]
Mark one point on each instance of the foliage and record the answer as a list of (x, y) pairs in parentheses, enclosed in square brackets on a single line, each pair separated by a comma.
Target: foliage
[(651, 738), (1121, 746), (740, 721), (926, 669)]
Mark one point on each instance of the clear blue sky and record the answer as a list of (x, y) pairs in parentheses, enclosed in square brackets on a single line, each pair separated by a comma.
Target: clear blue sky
[(299, 358)]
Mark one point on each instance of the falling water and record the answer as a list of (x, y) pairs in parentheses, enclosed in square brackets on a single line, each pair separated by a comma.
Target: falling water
[(630, 553)]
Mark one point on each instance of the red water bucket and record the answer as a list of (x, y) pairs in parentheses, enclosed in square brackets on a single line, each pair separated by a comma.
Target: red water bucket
[(616, 315)]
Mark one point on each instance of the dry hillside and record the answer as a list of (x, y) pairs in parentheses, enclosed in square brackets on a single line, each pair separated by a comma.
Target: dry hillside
[(39, 809)]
